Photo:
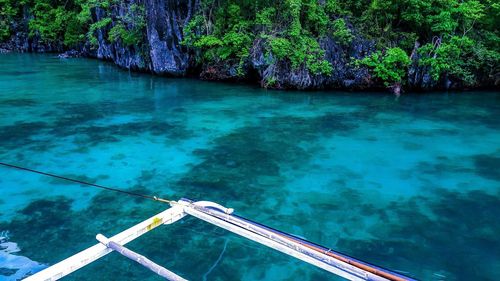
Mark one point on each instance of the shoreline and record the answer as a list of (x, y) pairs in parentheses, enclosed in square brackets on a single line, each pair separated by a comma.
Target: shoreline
[(252, 83)]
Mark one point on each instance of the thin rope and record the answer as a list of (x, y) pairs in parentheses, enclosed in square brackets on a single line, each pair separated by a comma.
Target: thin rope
[(216, 262), (130, 193)]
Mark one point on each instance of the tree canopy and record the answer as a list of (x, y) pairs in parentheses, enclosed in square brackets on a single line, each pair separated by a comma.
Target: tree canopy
[(457, 38)]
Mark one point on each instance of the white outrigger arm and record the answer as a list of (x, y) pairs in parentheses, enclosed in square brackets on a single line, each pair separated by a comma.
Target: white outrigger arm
[(319, 256)]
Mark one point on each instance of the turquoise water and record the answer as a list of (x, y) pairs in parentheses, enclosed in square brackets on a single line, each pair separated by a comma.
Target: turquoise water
[(412, 184)]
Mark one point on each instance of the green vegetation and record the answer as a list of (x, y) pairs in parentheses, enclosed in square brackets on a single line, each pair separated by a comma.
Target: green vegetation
[(225, 31), (458, 39), (135, 20), (390, 67), (341, 33), (9, 12), (70, 21)]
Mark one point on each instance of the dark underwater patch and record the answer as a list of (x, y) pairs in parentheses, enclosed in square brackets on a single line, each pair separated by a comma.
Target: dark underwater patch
[(238, 162), (60, 231), (73, 115), (336, 123), (330, 123), (18, 73), (412, 146), (137, 105), (7, 271), (49, 230), (21, 134), (49, 220), (77, 120), (21, 130), (248, 162), (84, 178), (452, 231), (443, 166), (19, 102), (488, 166), (148, 175), (89, 135)]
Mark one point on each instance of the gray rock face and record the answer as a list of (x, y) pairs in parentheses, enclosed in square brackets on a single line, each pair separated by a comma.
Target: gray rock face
[(344, 74), (129, 57), (165, 22), (161, 51), (279, 74), (69, 54), (22, 42), (419, 77)]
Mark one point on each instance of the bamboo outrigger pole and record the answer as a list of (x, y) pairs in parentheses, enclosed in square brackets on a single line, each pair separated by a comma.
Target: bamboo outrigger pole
[(324, 258), (319, 256), (85, 257), (140, 259)]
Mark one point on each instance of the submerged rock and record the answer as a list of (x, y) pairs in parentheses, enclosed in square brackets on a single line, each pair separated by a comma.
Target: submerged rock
[(70, 54)]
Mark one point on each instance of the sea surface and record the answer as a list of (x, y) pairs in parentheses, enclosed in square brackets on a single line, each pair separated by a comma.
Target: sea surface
[(409, 183)]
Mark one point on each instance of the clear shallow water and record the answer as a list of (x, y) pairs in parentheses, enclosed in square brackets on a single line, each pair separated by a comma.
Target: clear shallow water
[(411, 184)]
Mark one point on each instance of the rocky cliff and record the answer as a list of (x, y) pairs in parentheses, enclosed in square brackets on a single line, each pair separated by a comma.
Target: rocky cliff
[(161, 52)]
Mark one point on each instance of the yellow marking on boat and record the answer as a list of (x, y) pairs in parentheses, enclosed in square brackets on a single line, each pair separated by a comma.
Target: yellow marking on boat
[(156, 222)]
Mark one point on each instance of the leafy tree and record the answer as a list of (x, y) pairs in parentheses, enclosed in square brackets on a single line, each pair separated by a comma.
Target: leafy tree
[(129, 29), (91, 35), (448, 57), (341, 33), (49, 22), (391, 66), (8, 11), (265, 17)]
